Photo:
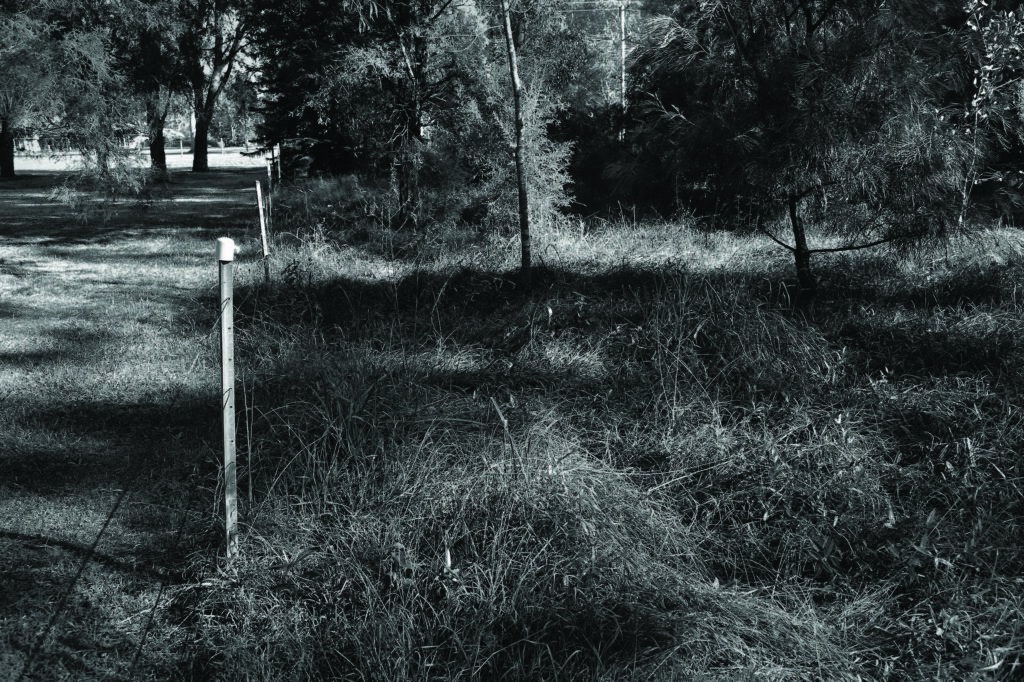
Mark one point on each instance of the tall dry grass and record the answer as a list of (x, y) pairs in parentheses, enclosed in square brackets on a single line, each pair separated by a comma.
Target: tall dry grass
[(644, 468)]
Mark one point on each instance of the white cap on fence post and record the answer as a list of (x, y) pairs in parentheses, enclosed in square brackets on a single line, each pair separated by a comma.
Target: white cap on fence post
[(226, 250)]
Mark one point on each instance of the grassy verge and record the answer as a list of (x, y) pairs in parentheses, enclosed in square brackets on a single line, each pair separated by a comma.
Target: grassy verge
[(643, 469)]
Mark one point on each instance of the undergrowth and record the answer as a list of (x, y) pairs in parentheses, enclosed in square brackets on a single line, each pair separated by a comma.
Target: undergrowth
[(95, 193), (645, 468)]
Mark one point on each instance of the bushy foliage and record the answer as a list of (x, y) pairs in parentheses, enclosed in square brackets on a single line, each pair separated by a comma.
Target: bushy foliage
[(432, 114), (57, 76), (95, 191), (853, 113), (292, 64), (546, 164)]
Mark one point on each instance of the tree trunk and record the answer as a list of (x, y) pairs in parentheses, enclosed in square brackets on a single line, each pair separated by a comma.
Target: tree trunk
[(408, 187), (802, 254), (409, 169), (103, 158), (200, 143), (6, 149), (525, 273), (158, 151), (409, 155), (155, 118)]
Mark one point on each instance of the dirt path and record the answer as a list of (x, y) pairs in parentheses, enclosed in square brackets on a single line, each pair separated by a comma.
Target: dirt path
[(108, 421)]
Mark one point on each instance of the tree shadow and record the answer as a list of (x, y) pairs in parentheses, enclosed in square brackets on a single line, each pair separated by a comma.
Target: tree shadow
[(68, 447), (593, 339), (958, 322), (207, 201)]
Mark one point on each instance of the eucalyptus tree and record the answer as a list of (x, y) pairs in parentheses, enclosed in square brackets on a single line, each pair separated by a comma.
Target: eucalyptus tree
[(522, 188), (556, 64), (850, 115), (145, 45), (213, 35), (550, 66)]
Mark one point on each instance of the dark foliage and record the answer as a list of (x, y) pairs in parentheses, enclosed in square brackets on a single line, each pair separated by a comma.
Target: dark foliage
[(293, 66)]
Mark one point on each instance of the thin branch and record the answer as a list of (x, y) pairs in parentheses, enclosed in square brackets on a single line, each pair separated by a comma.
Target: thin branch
[(444, 6), (777, 241), (821, 17), (814, 188), (401, 44), (857, 247), (741, 47)]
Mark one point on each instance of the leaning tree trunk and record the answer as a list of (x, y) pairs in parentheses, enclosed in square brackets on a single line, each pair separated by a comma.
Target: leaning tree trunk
[(525, 272), (802, 254), (6, 149)]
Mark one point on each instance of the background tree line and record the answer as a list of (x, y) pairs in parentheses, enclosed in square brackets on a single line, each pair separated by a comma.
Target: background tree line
[(873, 121)]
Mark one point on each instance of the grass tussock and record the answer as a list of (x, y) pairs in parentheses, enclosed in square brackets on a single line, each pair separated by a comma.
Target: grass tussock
[(644, 468)]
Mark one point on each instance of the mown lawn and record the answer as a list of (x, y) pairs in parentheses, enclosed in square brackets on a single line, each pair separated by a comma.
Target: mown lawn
[(107, 411)]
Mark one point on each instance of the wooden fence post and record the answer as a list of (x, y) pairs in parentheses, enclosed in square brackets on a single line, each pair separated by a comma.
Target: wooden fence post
[(271, 160), (263, 232)]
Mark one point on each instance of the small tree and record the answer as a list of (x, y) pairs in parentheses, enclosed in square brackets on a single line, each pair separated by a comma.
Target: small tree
[(521, 182), (848, 114)]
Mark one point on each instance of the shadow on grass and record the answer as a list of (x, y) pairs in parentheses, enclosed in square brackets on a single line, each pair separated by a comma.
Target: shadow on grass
[(94, 625), (63, 467), (929, 329), (77, 426), (958, 322), (203, 200), (64, 464), (704, 369), (34, 542), (866, 281), (480, 332), (83, 445)]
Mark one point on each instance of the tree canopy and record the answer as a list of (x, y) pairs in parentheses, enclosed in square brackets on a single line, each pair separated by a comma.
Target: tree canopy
[(58, 77), (874, 121), (856, 115)]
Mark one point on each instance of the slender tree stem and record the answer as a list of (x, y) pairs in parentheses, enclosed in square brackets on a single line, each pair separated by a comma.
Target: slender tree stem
[(517, 87), (802, 255), (6, 149)]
